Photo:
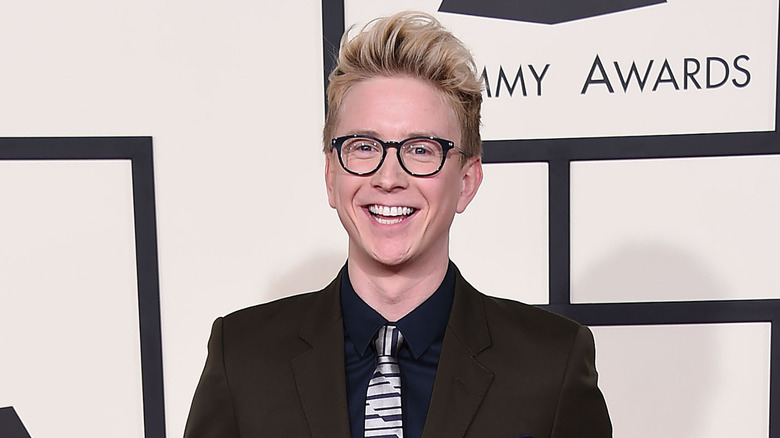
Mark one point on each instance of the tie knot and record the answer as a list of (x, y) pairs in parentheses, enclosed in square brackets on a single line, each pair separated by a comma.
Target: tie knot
[(388, 340)]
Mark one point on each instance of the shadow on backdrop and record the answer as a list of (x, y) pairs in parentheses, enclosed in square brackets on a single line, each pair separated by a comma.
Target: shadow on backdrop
[(657, 382), (311, 274)]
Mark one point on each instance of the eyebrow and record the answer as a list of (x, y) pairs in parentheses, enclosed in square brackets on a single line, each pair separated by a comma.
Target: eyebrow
[(408, 135)]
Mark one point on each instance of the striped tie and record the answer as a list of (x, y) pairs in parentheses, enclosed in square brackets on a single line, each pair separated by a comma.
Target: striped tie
[(383, 398)]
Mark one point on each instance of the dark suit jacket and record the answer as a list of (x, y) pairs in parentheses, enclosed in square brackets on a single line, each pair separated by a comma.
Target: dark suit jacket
[(506, 370)]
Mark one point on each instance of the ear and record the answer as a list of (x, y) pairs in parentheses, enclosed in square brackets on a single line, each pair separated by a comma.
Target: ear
[(471, 178), (330, 170)]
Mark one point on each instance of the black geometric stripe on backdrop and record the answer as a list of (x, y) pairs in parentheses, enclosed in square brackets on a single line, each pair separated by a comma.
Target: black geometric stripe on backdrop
[(139, 151), (10, 424), (546, 12), (559, 154)]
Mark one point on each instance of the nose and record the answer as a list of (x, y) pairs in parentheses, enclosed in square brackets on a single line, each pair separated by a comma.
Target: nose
[(390, 175)]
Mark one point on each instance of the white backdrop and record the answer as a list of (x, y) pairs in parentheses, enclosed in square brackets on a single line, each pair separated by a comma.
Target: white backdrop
[(219, 85)]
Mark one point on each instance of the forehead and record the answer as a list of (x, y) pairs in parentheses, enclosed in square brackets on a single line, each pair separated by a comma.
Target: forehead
[(394, 108)]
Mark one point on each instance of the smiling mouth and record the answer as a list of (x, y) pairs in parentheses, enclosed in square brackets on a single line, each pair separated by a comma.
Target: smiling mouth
[(387, 215)]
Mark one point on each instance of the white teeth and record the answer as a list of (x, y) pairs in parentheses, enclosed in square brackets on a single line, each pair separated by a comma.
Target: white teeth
[(388, 221), (386, 211)]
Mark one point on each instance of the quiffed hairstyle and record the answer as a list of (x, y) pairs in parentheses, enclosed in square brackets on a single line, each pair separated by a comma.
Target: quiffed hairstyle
[(412, 44)]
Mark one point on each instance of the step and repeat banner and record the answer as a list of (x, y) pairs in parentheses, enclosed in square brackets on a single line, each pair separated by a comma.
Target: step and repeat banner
[(632, 178), (632, 170)]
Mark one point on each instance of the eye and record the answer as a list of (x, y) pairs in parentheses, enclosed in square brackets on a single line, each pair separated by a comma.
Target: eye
[(362, 146), (422, 149), (419, 149)]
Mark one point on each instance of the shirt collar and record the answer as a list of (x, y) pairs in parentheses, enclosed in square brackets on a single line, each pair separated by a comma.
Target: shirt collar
[(420, 327)]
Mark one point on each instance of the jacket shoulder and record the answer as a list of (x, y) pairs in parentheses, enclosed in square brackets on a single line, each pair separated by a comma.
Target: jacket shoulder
[(278, 320), (266, 312), (524, 316), (504, 315)]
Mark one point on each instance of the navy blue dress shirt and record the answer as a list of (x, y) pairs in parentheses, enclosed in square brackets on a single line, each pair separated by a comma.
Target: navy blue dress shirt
[(423, 330)]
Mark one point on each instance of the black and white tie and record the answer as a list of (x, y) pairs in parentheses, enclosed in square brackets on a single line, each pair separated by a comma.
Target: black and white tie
[(383, 398)]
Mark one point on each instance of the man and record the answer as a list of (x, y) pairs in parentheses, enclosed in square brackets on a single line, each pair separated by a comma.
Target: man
[(399, 345)]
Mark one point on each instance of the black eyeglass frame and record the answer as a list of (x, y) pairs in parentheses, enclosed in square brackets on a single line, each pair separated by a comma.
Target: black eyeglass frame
[(446, 146)]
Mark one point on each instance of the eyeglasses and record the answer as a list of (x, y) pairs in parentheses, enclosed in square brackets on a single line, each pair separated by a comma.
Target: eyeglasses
[(419, 156)]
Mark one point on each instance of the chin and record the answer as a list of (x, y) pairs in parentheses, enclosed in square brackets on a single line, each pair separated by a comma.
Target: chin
[(390, 261), (390, 258)]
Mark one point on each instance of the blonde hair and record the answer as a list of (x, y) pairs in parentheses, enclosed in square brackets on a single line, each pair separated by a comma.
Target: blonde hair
[(412, 44)]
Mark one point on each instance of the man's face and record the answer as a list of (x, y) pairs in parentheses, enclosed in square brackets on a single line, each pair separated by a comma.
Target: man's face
[(394, 218)]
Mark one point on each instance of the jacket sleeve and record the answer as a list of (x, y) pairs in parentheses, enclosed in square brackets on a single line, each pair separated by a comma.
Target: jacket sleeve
[(582, 410), (212, 413)]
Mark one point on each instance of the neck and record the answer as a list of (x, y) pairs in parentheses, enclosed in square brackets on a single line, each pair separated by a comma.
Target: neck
[(394, 291)]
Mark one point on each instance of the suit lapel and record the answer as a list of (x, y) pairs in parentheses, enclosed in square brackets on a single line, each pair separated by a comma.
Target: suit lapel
[(319, 371), (461, 381)]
